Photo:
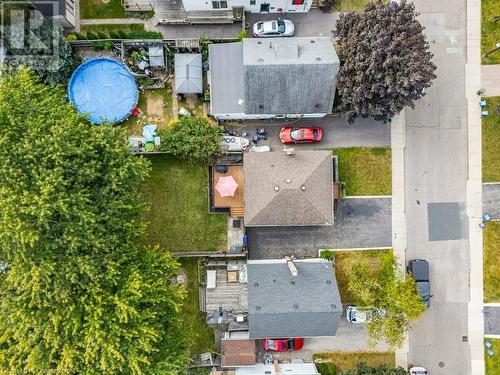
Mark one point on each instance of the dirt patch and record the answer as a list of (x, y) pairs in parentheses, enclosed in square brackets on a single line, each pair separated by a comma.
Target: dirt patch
[(154, 106)]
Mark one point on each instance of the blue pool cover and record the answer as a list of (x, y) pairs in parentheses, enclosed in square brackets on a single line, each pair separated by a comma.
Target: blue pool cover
[(104, 89)]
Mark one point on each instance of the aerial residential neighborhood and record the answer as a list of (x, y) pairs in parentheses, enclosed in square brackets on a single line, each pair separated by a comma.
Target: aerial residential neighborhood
[(257, 187)]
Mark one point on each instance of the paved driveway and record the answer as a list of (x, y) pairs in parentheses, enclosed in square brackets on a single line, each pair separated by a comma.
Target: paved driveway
[(313, 23), (337, 132), (358, 223)]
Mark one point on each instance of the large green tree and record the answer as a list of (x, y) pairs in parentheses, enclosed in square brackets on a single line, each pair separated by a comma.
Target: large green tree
[(385, 288), (385, 60), (79, 294)]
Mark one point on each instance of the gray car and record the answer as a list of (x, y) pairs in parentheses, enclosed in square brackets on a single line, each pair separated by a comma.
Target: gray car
[(419, 270)]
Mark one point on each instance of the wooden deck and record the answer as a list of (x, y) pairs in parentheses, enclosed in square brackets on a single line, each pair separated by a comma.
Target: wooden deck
[(234, 203), (233, 296)]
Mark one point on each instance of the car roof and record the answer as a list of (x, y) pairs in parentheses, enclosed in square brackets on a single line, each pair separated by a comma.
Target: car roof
[(419, 269), (269, 26)]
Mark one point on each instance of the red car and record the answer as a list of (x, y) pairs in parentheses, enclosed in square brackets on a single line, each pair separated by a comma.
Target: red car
[(306, 134), (283, 345)]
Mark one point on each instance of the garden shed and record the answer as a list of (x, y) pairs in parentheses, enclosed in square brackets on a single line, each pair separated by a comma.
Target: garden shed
[(188, 73)]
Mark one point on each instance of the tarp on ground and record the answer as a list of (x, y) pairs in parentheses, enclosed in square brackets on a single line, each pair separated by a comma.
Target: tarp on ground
[(188, 73)]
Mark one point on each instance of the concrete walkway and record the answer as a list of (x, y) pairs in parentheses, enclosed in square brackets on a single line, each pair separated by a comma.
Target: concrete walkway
[(112, 21), (490, 77)]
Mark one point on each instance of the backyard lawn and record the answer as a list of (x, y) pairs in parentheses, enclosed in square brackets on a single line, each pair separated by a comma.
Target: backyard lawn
[(331, 362), (491, 240), (490, 31), (177, 196), (344, 258), (99, 9), (346, 5), (365, 171), (491, 140), (202, 339), (493, 363)]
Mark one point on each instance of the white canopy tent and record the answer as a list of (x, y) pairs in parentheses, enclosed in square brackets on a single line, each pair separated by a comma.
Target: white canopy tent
[(188, 73)]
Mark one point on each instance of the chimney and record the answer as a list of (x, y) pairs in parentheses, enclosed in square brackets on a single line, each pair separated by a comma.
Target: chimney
[(292, 267), (276, 367)]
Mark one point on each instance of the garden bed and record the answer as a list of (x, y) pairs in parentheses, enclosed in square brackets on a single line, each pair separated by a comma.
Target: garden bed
[(365, 171), (90, 9)]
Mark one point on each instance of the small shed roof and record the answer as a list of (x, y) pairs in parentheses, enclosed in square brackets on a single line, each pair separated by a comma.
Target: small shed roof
[(188, 73), (238, 352), (156, 55)]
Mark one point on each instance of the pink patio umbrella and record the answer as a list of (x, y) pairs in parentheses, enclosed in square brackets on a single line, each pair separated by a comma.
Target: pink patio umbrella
[(226, 186)]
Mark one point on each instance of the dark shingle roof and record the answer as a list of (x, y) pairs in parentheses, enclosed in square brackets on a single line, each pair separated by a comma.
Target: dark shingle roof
[(283, 305), (304, 181)]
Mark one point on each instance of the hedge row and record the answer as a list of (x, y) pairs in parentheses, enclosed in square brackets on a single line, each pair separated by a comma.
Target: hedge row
[(135, 34)]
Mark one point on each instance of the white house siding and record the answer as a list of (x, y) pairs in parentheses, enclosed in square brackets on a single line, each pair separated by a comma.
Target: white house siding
[(275, 6)]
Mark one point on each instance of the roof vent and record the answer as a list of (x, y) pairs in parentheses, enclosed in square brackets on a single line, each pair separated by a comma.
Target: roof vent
[(256, 285), (257, 308), (333, 306), (261, 106), (260, 60), (274, 280), (316, 105), (288, 180), (329, 282), (295, 307), (303, 187), (276, 188), (318, 58), (292, 283), (259, 42), (312, 41)]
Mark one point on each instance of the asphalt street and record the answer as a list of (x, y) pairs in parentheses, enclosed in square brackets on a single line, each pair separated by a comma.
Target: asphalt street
[(358, 223), (337, 132), (436, 173)]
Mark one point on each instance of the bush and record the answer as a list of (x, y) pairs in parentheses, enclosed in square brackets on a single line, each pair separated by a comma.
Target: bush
[(141, 34), (114, 35), (242, 35), (326, 368), (91, 36), (192, 138), (102, 35), (123, 34), (80, 36), (100, 45), (71, 37)]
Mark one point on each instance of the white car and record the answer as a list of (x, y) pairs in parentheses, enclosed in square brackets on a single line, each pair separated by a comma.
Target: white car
[(263, 148), (418, 371), (274, 28), (231, 143), (355, 315)]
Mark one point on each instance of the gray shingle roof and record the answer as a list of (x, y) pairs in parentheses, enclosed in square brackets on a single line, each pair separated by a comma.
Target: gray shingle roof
[(283, 305), (226, 78), (274, 76), (188, 73), (304, 181)]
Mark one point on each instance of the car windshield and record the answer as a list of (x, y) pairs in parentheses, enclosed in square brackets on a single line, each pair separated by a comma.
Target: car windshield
[(259, 25), (281, 26), (294, 135), (271, 344)]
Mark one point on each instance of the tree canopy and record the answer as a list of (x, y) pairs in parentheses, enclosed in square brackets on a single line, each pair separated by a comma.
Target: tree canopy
[(79, 293), (387, 289), (385, 60), (192, 138)]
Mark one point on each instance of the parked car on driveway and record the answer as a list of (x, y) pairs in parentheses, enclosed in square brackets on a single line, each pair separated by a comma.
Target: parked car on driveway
[(419, 270), (418, 371), (305, 134), (231, 143), (355, 315), (283, 345), (274, 28)]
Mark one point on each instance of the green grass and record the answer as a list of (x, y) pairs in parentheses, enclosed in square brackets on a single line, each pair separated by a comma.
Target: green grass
[(346, 5), (342, 261), (365, 171), (343, 361), (491, 261), (98, 9), (493, 363), (177, 196), (203, 336), (490, 32), (491, 140), (107, 28)]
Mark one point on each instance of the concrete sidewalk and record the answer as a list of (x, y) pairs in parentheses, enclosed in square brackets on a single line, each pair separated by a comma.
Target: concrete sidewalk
[(490, 77)]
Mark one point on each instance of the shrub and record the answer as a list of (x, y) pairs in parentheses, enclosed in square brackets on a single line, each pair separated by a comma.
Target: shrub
[(114, 35), (71, 37), (123, 34), (102, 35), (242, 35), (327, 254), (80, 36), (141, 34), (91, 36)]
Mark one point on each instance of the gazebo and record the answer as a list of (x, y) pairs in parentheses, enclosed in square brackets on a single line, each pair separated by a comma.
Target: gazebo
[(188, 73)]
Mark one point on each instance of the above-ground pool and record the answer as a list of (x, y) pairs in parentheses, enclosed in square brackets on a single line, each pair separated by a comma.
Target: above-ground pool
[(104, 89)]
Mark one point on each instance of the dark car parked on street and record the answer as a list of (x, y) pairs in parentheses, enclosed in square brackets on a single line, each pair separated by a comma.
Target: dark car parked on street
[(419, 270)]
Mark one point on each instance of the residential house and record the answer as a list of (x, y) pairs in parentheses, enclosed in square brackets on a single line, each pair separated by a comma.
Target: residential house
[(298, 298), (272, 78), (63, 11), (288, 190)]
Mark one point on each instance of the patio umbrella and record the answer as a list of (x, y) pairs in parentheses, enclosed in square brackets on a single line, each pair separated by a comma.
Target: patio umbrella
[(226, 186)]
